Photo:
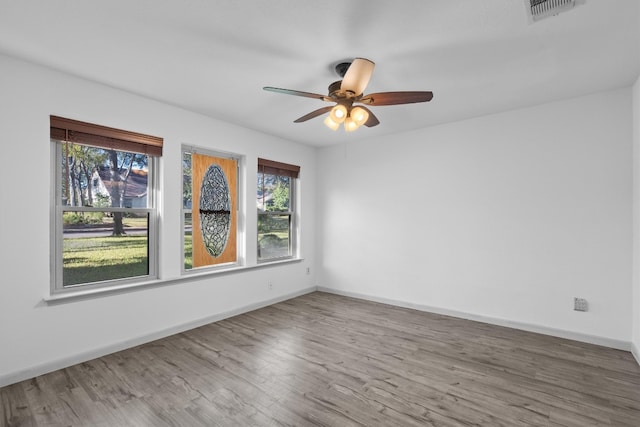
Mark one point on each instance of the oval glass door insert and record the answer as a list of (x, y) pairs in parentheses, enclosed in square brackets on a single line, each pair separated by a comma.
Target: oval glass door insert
[(215, 211)]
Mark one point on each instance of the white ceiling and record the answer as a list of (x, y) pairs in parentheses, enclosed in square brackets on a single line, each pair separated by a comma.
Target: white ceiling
[(213, 57)]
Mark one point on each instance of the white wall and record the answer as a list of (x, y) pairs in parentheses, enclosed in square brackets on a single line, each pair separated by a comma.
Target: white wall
[(636, 221), (504, 218), (35, 336)]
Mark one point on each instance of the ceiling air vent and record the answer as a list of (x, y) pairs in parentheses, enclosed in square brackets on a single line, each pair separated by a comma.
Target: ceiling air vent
[(540, 9)]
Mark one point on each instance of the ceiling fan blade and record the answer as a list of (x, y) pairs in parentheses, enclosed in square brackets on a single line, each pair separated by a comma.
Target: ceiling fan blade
[(313, 114), (357, 76), (372, 120), (297, 93), (395, 98)]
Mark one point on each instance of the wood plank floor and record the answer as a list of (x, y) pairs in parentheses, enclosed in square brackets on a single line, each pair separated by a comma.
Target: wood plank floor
[(328, 360)]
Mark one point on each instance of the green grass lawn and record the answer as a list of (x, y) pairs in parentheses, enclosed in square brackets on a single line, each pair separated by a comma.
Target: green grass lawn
[(94, 259), (188, 251)]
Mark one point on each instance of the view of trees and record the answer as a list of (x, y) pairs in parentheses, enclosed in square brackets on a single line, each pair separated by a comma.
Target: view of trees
[(80, 164), (273, 192), (280, 195), (274, 198)]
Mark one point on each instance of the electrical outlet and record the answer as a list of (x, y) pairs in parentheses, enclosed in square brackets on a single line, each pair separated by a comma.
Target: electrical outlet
[(580, 304), (270, 285), (308, 270)]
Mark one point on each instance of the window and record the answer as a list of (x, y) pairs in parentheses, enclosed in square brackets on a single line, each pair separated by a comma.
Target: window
[(276, 213), (209, 209), (105, 215)]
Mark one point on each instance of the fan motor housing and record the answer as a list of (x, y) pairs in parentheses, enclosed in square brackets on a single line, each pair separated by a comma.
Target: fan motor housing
[(335, 87)]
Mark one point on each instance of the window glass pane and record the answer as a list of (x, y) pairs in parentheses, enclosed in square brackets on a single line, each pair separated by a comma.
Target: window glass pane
[(275, 194), (105, 215), (260, 197), (100, 246), (281, 194), (186, 181), (97, 177), (274, 237)]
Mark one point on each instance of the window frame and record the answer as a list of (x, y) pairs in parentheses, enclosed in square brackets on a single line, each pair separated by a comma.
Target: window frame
[(105, 138), (278, 169)]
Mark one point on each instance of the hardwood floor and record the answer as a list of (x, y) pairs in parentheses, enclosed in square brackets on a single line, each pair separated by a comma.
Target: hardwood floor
[(329, 360)]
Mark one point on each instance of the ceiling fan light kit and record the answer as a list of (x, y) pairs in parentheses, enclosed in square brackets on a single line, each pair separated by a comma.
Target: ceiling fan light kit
[(350, 90), (331, 124), (338, 113), (352, 118), (359, 115)]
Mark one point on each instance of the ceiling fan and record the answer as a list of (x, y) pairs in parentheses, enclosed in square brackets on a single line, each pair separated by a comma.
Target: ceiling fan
[(349, 91)]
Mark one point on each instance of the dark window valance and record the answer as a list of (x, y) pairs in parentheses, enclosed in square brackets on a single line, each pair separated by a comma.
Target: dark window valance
[(104, 137), (278, 168)]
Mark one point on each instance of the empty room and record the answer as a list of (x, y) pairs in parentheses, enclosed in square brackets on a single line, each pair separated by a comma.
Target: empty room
[(336, 213)]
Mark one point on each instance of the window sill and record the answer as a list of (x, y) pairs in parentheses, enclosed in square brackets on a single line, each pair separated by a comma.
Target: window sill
[(91, 293)]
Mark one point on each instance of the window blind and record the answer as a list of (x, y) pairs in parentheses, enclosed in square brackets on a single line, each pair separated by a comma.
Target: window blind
[(69, 130), (278, 168)]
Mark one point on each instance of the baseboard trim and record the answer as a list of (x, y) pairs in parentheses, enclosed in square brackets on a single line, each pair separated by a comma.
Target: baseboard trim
[(560, 333), (636, 352), (65, 362)]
